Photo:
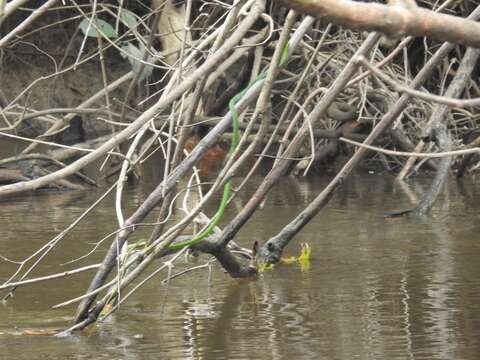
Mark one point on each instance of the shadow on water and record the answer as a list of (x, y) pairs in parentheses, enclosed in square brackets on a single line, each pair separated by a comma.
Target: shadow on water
[(397, 289)]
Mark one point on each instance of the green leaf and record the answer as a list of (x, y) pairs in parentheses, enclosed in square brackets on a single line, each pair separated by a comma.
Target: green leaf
[(105, 28), (136, 53), (129, 18)]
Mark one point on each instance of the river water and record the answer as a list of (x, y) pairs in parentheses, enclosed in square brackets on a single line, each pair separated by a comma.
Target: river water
[(375, 288)]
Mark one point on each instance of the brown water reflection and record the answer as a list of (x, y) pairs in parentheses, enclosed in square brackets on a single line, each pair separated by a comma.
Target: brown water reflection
[(376, 289)]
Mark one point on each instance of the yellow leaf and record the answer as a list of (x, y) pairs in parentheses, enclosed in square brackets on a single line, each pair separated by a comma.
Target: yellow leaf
[(304, 258)]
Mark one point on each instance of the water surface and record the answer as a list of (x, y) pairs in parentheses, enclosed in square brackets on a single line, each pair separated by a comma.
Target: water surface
[(376, 289)]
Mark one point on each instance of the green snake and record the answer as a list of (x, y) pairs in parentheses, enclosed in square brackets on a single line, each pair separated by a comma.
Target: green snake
[(227, 189)]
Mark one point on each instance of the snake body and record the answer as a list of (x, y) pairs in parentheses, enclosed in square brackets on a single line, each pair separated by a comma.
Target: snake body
[(227, 189)]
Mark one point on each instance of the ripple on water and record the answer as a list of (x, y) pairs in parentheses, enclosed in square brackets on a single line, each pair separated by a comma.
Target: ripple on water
[(375, 289)]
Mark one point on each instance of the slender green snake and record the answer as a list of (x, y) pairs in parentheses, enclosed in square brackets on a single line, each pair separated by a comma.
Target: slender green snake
[(227, 189)]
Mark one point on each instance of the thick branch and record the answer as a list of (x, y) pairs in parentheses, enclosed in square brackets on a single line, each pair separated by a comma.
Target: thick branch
[(393, 20)]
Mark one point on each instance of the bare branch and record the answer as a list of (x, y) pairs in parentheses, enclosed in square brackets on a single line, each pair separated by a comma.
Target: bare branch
[(393, 20)]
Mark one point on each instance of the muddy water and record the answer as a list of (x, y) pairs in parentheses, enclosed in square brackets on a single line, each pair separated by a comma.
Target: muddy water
[(375, 289)]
